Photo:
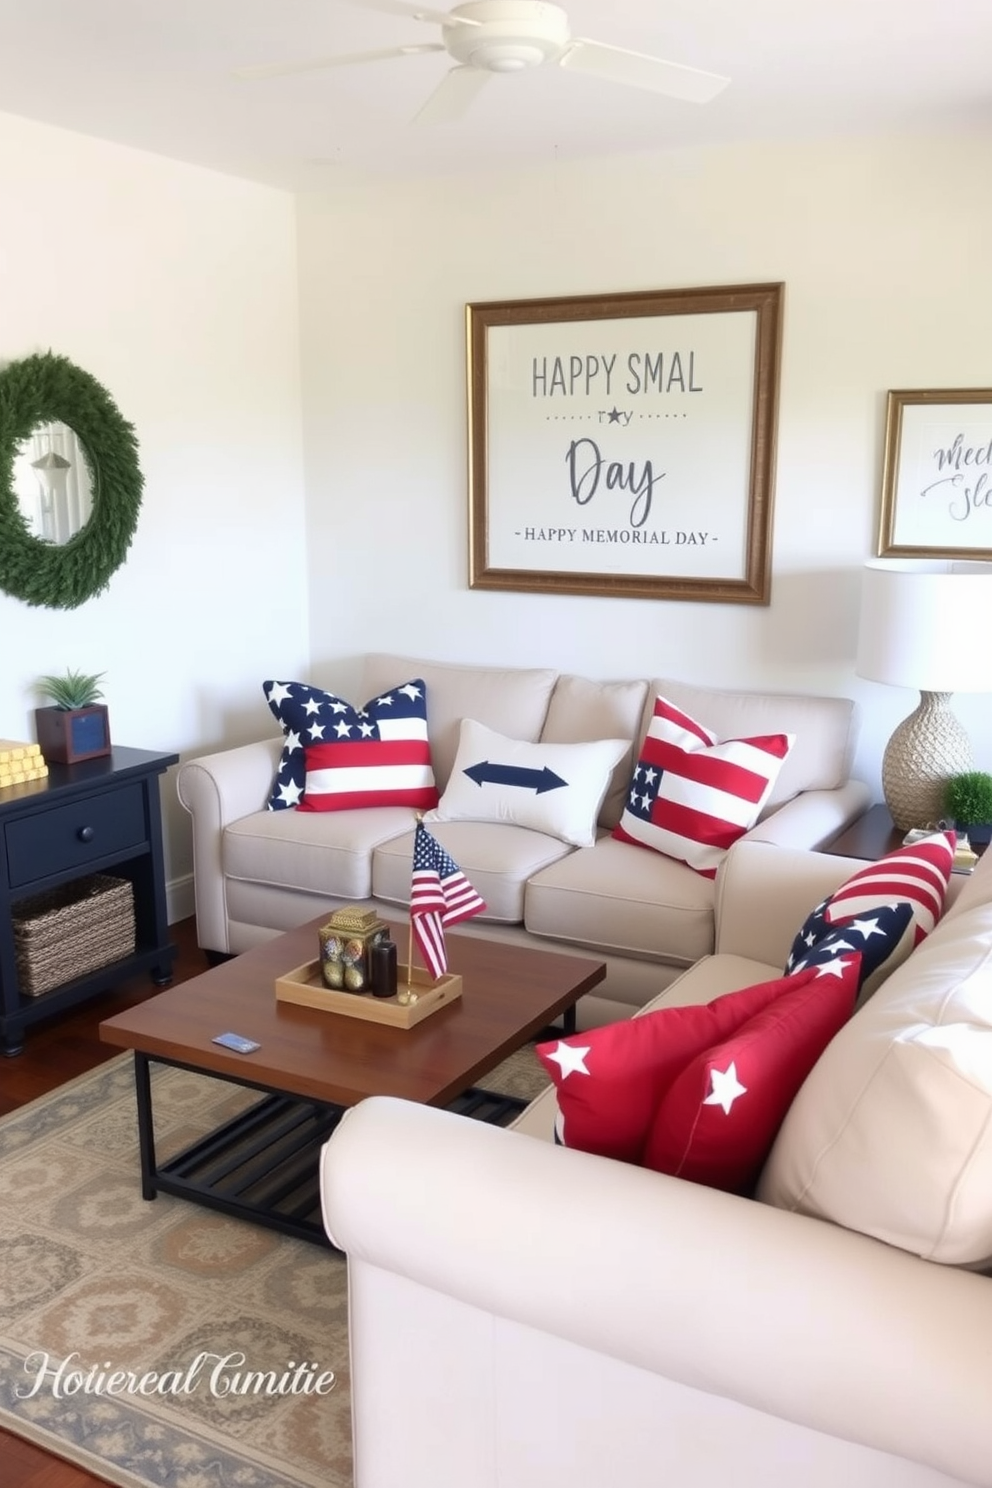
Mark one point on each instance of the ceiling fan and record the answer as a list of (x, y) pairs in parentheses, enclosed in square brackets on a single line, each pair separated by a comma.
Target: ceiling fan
[(486, 37)]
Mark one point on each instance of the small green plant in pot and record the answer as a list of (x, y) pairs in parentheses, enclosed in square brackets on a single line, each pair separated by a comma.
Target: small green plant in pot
[(71, 690), (75, 726), (968, 801)]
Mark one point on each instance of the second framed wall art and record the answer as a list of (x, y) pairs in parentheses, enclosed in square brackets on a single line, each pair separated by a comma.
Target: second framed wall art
[(937, 475), (625, 444)]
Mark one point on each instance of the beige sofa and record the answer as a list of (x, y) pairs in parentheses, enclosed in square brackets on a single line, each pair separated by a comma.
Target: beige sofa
[(526, 1315), (259, 872)]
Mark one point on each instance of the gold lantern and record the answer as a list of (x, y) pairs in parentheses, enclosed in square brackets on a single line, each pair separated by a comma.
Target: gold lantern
[(346, 943)]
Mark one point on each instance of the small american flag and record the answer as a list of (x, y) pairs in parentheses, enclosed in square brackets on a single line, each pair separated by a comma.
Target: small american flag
[(440, 895)]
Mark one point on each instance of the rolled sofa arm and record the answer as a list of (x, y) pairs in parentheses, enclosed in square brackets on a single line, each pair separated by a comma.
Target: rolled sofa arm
[(788, 1315), (217, 789), (813, 817)]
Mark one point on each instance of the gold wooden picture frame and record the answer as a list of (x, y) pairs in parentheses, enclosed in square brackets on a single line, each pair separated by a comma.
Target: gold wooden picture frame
[(624, 444), (937, 475)]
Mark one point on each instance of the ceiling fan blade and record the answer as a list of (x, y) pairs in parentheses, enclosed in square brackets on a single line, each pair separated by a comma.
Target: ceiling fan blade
[(284, 69), (636, 70), (418, 12), (451, 100)]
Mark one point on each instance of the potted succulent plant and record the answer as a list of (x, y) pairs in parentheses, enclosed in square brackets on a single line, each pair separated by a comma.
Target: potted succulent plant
[(968, 801), (75, 726)]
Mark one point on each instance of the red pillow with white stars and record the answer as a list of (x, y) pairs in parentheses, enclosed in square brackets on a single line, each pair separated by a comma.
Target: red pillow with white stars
[(916, 876), (613, 1082), (717, 1122)]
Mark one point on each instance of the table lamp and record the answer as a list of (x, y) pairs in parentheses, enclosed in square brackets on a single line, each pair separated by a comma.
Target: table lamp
[(925, 625)]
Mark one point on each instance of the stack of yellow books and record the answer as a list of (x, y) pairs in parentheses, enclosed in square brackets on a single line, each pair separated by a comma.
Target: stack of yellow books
[(20, 762)]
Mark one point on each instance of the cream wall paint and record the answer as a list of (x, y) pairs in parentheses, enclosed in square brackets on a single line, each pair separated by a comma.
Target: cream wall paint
[(883, 248), (177, 289)]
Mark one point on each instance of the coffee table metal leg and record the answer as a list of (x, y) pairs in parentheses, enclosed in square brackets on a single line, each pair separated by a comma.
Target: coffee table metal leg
[(146, 1131)]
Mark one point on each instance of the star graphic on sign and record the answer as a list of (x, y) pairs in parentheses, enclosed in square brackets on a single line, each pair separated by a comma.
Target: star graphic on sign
[(570, 1060), (614, 415), (312, 706), (279, 693), (866, 928), (726, 1088), (290, 793)]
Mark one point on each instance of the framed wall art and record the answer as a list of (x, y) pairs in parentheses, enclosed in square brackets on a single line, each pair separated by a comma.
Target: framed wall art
[(625, 444), (937, 475)]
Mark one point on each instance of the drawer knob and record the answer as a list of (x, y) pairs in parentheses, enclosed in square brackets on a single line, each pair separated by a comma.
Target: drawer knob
[(85, 834)]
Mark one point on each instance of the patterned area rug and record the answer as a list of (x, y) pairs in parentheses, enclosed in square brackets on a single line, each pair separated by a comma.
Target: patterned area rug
[(162, 1345)]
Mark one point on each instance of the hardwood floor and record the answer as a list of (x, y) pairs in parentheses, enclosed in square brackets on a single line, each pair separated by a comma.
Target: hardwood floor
[(56, 1051)]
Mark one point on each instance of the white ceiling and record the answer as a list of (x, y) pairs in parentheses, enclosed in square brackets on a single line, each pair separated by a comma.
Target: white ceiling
[(157, 74)]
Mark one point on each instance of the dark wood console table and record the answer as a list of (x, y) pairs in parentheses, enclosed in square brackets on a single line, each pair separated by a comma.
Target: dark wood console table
[(101, 815)]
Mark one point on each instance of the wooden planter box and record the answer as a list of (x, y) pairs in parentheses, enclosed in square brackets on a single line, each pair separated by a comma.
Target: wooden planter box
[(67, 735)]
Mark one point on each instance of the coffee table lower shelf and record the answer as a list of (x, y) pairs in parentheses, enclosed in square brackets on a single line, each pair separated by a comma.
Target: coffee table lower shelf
[(263, 1165)]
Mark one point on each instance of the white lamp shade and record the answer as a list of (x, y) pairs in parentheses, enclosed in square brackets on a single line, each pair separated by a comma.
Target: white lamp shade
[(927, 626)]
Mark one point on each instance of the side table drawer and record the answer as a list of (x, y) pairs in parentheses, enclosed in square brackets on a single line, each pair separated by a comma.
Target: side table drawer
[(73, 836)]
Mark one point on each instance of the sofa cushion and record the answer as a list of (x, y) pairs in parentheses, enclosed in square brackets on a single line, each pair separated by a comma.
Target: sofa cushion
[(699, 1091), (891, 1134), (825, 730), (617, 898), (691, 797), (581, 710), (326, 853), (910, 884), (552, 788), (337, 757), (497, 859), (511, 699)]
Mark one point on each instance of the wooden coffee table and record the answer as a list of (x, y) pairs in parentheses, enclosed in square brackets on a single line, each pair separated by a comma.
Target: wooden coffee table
[(313, 1065)]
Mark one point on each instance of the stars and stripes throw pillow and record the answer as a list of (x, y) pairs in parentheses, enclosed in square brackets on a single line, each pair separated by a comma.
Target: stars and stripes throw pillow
[(912, 880), (337, 757), (692, 797), (701, 1090)]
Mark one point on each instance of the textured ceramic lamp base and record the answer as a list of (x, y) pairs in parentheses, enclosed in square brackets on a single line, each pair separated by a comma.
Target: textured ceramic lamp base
[(926, 749)]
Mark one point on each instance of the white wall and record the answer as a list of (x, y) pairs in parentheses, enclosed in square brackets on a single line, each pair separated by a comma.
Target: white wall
[(176, 288), (884, 249)]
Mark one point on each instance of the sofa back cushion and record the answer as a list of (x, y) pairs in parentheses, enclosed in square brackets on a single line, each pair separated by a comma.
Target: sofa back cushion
[(824, 728), (511, 700), (581, 710), (891, 1134)]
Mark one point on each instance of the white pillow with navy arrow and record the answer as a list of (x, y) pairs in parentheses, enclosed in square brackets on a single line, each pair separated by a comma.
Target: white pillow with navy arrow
[(557, 789)]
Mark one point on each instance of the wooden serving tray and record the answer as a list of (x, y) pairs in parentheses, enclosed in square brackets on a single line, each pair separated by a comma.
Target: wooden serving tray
[(305, 985)]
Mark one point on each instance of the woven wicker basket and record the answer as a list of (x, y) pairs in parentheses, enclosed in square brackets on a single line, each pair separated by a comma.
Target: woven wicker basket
[(72, 930)]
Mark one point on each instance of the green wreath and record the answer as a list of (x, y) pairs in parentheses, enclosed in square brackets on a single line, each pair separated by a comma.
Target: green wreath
[(45, 389)]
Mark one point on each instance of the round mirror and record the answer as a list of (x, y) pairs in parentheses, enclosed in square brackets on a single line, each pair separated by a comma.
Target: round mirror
[(70, 483), (52, 483)]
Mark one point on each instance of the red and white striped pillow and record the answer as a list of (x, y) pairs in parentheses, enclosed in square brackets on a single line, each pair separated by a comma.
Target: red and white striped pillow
[(919, 874), (915, 876), (691, 797)]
